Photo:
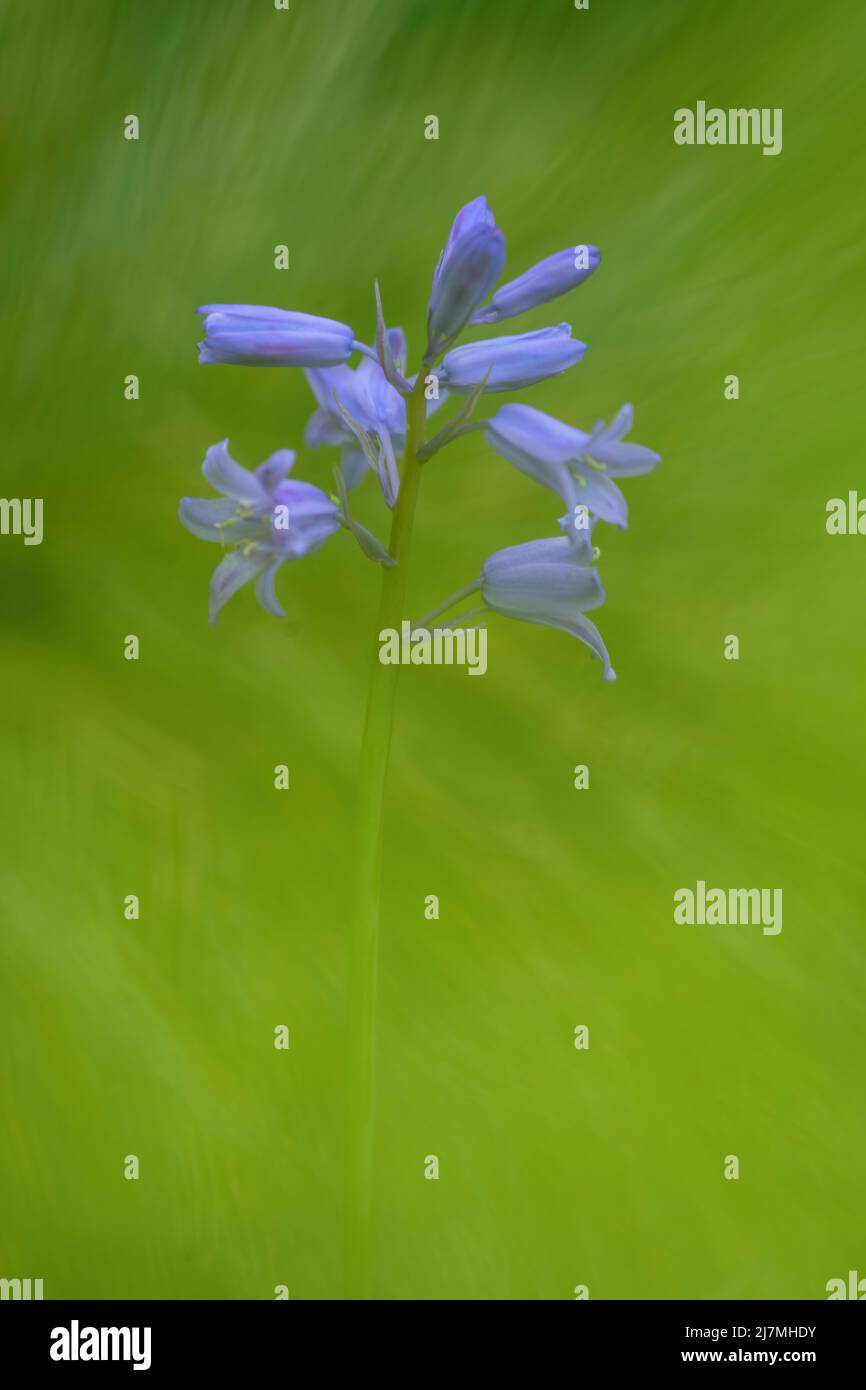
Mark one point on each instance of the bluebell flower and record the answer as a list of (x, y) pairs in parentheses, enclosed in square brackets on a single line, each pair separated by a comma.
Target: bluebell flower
[(367, 397), (252, 335), (468, 269), (268, 518), (546, 280), (264, 519), (512, 362), (577, 466), (552, 582)]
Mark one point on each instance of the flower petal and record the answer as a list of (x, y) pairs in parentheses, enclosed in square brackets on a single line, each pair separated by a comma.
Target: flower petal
[(621, 460), (324, 381), (354, 465), (275, 469), (551, 472), (586, 631), (546, 280), (550, 550), (622, 422), (232, 573), (543, 589), (250, 318), (265, 591), (602, 496), (208, 517), (511, 362), (311, 515), (274, 346), (465, 275), (230, 478), (535, 432), (578, 626), (325, 427), (397, 346)]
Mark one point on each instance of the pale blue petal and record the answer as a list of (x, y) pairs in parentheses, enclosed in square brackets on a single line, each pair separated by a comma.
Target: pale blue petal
[(551, 472), (396, 340), (464, 278), (325, 427), (623, 460), (275, 469), (230, 478), (207, 517), (554, 590), (354, 465), (232, 573), (324, 381), (622, 422), (602, 496), (247, 317), (512, 362), (586, 631), (274, 346), (578, 626), (552, 549), (555, 275), (265, 591), (535, 432)]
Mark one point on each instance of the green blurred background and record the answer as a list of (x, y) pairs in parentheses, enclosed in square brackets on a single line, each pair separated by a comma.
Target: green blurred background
[(155, 1037)]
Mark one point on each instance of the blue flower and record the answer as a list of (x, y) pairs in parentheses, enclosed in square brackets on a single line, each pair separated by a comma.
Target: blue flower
[(265, 519), (512, 362), (252, 335), (577, 466), (268, 517), (546, 280), (552, 582), (468, 269), (367, 398)]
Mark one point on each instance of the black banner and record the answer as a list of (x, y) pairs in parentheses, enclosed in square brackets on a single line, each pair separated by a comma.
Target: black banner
[(156, 1339)]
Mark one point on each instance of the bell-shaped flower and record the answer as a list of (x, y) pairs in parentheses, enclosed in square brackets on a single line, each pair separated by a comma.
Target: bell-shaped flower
[(266, 516), (364, 392), (575, 465), (252, 335), (546, 280), (468, 269), (349, 399), (552, 582), (510, 363), (365, 416)]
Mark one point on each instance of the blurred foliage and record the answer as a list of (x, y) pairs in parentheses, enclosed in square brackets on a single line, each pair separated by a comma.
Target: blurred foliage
[(155, 1038)]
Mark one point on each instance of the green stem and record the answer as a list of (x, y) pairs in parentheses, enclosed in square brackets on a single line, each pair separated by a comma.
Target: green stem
[(460, 621), (368, 873), (448, 602)]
